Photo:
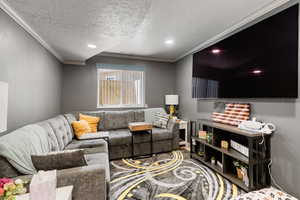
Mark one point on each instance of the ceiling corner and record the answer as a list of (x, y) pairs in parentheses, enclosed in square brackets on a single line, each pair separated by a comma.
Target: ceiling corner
[(74, 62), (259, 13), (8, 10)]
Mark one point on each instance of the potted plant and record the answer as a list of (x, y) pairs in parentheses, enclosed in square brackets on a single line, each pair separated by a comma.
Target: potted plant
[(213, 160), (240, 167), (10, 188), (209, 138)]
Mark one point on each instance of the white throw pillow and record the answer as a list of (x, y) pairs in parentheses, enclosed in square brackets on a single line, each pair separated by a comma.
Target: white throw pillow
[(150, 112), (161, 120)]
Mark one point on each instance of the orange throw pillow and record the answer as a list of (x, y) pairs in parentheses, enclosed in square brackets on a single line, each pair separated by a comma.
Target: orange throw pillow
[(93, 121), (81, 127)]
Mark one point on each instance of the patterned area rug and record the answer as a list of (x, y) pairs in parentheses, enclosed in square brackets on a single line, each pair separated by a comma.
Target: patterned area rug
[(168, 176)]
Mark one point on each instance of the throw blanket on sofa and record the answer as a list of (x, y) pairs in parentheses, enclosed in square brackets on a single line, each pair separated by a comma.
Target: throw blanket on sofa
[(18, 146)]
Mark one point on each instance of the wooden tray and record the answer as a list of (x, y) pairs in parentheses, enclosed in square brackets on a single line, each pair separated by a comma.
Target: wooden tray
[(140, 126)]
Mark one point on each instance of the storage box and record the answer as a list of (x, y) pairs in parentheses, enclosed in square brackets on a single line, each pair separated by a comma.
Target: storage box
[(202, 135), (240, 148)]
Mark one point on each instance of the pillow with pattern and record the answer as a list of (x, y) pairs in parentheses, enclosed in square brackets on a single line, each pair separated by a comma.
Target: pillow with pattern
[(161, 120)]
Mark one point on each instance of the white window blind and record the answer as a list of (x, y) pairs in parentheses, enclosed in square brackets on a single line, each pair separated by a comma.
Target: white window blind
[(120, 86)]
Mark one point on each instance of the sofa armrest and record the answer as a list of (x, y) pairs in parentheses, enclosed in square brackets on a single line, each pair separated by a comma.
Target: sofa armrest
[(173, 126), (89, 182)]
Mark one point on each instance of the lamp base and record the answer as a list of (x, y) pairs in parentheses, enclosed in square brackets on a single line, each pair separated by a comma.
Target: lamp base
[(172, 110)]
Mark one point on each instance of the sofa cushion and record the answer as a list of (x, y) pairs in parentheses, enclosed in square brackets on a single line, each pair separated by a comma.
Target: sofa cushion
[(6, 169), (51, 135), (118, 119), (59, 160), (62, 130), (99, 159), (159, 134), (119, 137), (83, 144), (139, 116), (162, 146), (120, 151), (97, 135)]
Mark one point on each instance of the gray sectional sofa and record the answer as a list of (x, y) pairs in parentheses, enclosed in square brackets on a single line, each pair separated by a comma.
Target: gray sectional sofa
[(93, 180), (120, 138)]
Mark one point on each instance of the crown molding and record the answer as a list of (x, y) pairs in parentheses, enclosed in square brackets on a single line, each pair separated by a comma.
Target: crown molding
[(7, 9), (244, 22), (135, 57), (259, 13), (74, 62)]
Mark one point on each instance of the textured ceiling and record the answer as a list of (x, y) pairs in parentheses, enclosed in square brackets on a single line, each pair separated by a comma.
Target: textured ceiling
[(188, 23), (69, 25), (132, 27)]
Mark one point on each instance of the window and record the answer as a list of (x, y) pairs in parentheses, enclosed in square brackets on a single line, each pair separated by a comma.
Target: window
[(120, 86)]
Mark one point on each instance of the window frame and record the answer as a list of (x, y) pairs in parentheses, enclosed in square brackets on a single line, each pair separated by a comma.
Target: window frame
[(143, 105)]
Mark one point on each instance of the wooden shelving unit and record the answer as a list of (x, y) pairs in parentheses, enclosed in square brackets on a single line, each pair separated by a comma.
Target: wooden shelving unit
[(257, 161)]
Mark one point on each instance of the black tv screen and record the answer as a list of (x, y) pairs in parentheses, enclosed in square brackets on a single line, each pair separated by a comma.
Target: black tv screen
[(258, 62)]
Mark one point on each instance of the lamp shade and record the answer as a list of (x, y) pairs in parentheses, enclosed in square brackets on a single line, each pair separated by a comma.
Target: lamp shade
[(3, 106), (172, 99)]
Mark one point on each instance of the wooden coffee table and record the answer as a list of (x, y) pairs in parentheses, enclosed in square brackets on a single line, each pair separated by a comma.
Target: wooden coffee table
[(138, 128)]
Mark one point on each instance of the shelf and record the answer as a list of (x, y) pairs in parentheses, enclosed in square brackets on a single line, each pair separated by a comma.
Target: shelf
[(207, 163), (217, 169), (257, 161), (236, 181), (230, 152), (229, 128)]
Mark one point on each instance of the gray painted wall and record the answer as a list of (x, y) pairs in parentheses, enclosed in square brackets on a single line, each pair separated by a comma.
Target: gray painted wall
[(285, 114), (33, 75), (80, 82)]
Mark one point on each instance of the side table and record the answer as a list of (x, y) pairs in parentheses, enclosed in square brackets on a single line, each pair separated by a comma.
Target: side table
[(63, 193), (183, 125), (140, 128)]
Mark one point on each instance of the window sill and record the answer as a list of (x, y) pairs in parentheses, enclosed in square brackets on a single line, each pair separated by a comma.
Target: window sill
[(122, 107)]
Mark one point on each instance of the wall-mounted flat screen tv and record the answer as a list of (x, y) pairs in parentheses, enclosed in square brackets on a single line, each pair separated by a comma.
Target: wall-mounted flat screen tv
[(258, 62)]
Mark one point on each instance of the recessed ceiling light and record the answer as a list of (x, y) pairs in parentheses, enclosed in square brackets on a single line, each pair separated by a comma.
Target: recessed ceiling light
[(169, 42), (257, 71), (92, 46), (216, 51)]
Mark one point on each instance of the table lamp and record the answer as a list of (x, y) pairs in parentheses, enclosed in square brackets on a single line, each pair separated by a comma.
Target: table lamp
[(3, 106), (172, 101)]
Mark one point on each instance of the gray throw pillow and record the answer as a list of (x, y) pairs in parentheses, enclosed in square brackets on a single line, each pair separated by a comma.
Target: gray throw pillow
[(59, 160), (161, 120)]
